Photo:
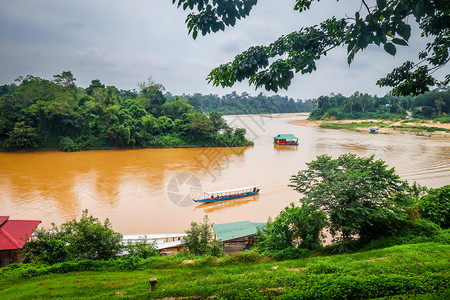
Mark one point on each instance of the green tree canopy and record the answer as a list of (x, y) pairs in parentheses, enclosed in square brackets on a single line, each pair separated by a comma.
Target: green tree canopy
[(199, 239), (41, 113), (381, 22), (435, 206), (87, 238), (295, 226), (359, 195)]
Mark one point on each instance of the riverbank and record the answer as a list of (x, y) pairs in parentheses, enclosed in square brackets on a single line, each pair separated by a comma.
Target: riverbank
[(416, 271), (383, 126)]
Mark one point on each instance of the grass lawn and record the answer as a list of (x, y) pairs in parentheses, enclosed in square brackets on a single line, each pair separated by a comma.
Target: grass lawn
[(418, 271)]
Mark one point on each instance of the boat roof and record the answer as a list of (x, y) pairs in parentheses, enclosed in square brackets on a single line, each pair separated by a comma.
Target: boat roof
[(152, 236), (285, 137), (233, 190), (229, 231)]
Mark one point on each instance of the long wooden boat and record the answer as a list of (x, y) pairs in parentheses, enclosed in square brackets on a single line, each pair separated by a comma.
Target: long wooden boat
[(228, 194)]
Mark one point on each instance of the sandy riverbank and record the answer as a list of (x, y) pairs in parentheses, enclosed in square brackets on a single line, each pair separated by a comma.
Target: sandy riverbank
[(388, 127), (285, 115)]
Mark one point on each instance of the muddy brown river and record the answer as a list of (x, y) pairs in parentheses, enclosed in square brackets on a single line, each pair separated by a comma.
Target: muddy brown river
[(149, 190)]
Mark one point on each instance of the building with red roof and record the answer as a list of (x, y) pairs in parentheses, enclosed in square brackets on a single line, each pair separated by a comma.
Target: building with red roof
[(13, 236)]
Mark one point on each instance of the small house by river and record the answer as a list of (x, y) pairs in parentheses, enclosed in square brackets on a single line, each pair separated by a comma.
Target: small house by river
[(13, 236), (285, 139), (236, 236)]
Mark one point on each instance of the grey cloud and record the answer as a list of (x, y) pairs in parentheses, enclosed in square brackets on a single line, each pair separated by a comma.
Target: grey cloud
[(124, 42), (74, 25)]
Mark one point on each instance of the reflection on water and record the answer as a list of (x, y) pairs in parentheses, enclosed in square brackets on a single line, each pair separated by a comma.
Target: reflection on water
[(285, 147), (131, 187)]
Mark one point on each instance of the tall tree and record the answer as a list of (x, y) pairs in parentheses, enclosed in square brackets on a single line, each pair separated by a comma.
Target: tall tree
[(199, 237), (151, 97), (359, 195), (65, 79), (439, 103), (381, 22)]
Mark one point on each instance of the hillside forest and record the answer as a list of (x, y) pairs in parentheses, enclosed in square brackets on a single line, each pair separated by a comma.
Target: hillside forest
[(52, 114), (37, 113), (431, 105)]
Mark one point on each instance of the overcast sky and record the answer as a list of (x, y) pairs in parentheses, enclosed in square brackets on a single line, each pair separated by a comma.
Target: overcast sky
[(123, 43)]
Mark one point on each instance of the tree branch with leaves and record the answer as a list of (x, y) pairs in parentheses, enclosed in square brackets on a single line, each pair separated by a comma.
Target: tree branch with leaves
[(385, 23)]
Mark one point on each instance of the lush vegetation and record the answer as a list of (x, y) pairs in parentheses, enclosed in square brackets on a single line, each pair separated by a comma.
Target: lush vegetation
[(435, 206), (87, 239), (431, 105), (418, 271), (294, 227), (357, 201), (382, 23), (198, 240), (40, 113), (360, 196), (247, 104)]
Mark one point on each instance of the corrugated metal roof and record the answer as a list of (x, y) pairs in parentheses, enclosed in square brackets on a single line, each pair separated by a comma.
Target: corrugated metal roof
[(285, 137), (152, 236), (230, 231), (15, 233), (3, 220), (159, 240)]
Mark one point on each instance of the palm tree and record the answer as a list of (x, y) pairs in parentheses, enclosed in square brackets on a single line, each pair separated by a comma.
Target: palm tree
[(439, 103), (350, 102)]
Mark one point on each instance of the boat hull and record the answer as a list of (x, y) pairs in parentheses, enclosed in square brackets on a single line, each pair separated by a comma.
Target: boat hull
[(206, 200)]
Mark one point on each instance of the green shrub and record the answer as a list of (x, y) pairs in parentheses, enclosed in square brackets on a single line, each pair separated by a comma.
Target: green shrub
[(422, 227), (171, 141), (345, 246), (323, 267), (246, 256), (68, 145), (444, 119), (48, 246), (141, 248), (199, 236), (207, 260), (367, 287), (421, 232), (436, 206), (215, 249), (295, 225), (87, 238), (21, 271), (287, 253)]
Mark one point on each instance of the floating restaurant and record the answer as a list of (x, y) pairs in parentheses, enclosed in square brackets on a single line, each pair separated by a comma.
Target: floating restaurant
[(285, 139)]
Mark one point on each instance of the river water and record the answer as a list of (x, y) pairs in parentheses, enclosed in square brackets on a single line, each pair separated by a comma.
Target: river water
[(149, 190)]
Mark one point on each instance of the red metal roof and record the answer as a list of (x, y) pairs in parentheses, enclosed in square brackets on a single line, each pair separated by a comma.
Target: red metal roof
[(15, 233), (3, 220)]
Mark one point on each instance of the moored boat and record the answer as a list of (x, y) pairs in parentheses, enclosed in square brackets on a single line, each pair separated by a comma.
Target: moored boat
[(228, 194), (285, 139)]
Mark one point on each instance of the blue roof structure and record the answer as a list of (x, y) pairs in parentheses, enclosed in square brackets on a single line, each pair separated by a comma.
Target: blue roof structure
[(285, 137), (230, 231)]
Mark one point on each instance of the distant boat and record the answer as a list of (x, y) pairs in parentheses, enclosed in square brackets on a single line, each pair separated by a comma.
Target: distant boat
[(423, 134), (373, 130), (228, 194), (285, 139)]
